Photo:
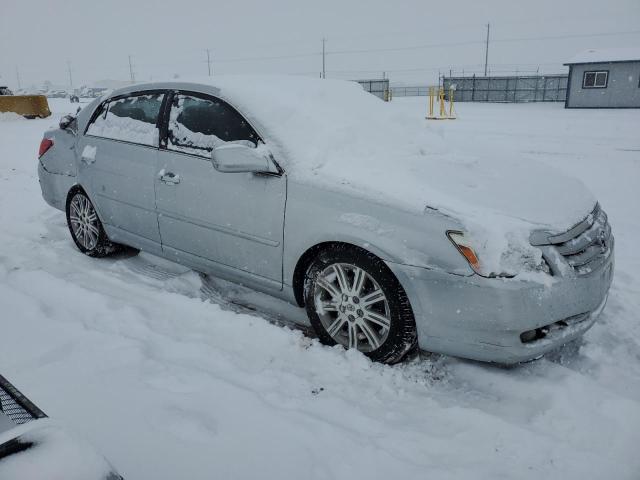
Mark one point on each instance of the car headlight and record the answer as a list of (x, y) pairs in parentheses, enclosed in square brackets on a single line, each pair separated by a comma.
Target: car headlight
[(513, 261), (466, 249)]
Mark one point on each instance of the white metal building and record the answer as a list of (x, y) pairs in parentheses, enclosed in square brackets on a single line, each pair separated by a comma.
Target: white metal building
[(604, 78)]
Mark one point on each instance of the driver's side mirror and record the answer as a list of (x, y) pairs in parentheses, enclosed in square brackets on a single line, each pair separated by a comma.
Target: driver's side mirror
[(238, 158), (66, 121)]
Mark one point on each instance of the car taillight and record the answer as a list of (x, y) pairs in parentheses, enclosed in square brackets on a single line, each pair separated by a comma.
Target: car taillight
[(45, 145)]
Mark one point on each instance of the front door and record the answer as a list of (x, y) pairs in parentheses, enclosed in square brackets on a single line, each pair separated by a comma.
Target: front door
[(118, 163), (232, 221)]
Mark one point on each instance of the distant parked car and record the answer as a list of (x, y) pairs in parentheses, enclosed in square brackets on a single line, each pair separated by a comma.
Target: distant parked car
[(57, 94), (311, 191), (5, 91), (32, 446)]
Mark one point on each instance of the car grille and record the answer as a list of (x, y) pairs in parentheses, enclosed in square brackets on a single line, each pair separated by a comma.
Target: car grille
[(587, 245), (15, 405)]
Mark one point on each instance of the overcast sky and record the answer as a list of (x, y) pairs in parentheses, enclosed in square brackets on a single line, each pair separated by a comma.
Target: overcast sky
[(411, 40)]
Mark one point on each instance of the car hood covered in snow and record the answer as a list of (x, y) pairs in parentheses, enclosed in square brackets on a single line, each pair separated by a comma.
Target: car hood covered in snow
[(333, 134)]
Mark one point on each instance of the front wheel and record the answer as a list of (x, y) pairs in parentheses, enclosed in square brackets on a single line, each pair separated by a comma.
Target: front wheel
[(85, 227), (353, 299)]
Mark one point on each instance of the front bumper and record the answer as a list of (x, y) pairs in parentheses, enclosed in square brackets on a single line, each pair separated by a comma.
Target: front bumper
[(483, 318)]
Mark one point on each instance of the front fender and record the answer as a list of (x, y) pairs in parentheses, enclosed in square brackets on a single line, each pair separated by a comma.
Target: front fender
[(315, 215)]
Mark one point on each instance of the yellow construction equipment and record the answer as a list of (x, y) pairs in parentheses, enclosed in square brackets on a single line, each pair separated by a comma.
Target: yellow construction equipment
[(438, 92), (29, 106)]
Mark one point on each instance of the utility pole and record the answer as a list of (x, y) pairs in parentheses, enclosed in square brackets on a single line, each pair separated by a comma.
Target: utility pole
[(133, 78), (18, 77), (486, 52), (209, 61), (324, 40), (69, 70)]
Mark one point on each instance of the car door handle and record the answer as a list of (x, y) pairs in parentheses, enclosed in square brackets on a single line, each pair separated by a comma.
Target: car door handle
[(168, 178)]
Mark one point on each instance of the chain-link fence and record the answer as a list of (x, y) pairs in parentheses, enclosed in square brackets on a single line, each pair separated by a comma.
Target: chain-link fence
[(410, 91), (513, 89), (377, 87)]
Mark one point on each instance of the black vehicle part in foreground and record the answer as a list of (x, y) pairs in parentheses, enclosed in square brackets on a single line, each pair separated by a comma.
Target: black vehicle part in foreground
[(16, 406), (16, 410)]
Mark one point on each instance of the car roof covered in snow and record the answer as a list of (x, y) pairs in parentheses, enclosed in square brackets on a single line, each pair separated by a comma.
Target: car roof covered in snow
[(606, 55)]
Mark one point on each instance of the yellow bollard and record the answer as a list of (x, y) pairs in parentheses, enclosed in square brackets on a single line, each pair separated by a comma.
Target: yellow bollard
[(443, 112), (451, 114), (430, 116), (442, 108)]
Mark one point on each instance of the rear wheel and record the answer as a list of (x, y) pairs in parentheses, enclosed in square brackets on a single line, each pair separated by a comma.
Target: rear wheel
[(85, 226), (353, 299)]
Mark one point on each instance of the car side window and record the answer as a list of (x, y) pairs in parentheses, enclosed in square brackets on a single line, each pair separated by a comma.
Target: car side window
[(131, 119), (197, 125)]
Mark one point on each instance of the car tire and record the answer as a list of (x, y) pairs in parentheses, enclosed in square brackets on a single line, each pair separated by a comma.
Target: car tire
[(352, 298), (86, 228)]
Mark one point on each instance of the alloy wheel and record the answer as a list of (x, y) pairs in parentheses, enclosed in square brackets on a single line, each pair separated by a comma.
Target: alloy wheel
[(84, 221), (352, 307)]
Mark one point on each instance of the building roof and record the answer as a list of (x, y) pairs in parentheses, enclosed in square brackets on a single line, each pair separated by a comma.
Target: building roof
[(606, 55)]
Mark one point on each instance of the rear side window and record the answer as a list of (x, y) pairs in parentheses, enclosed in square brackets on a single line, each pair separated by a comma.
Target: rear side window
[(197, 125), (130, 119)]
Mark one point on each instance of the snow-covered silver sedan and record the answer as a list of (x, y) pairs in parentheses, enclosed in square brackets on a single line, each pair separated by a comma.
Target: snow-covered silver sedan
[(318, 193)]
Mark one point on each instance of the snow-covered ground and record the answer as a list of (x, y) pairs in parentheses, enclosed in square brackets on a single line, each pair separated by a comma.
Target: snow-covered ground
[(175, 376)]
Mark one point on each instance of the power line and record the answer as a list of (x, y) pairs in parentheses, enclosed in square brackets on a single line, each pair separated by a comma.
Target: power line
[(274, 57), (389, 49), (406, 48), (397, 49), (476, 42), (465, 25), (560, 37), (429, 45)]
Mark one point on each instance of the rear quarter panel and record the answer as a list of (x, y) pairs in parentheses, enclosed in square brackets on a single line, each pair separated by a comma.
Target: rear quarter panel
[(61, 158)]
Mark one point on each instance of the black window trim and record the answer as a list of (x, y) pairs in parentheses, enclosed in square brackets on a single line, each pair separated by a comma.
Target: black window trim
[(161, 91), (595, 72), (164, 129)]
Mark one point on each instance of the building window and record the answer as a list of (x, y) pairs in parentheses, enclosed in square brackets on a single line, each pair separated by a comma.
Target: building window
[(595, 79)]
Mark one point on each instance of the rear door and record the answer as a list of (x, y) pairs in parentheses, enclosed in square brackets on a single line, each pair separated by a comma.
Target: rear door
[(118, 161), (232, 222)]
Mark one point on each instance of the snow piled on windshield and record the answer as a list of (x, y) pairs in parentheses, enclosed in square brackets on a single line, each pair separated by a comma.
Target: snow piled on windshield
[(334, 134)]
